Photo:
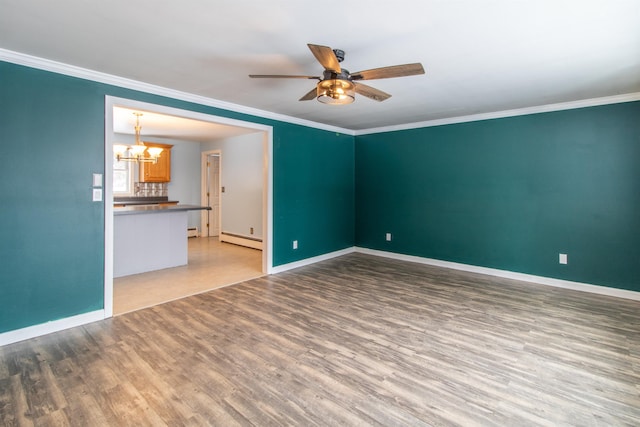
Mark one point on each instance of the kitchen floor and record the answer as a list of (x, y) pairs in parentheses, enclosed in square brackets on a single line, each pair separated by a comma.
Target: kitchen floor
[(211, 265)]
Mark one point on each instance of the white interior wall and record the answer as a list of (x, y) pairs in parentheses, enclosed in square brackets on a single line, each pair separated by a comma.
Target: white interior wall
[(242, 178), (185, 176)]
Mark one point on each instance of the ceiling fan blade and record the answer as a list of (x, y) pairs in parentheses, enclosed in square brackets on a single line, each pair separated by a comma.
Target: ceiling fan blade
[(325, 57), (388, 72), (312, 94), (372, 93), (281, 76)]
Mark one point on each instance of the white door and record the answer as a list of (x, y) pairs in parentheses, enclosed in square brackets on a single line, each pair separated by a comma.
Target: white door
[(214, 194)]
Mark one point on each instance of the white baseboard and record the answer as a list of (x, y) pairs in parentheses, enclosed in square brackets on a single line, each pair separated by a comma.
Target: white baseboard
[(82, 319), (50, 327), (240, 240), (309, 261), (541, 280)]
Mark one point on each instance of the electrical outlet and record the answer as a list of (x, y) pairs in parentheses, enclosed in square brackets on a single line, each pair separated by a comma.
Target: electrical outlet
[(251, 230), (295, 244), (562, 258), (388, 237), (97, 194)]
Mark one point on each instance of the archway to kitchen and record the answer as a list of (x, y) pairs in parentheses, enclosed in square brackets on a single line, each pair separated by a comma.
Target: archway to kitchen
[(188, 134)]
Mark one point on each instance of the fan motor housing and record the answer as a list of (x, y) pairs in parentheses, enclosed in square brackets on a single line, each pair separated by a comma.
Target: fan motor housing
[(342, 75)]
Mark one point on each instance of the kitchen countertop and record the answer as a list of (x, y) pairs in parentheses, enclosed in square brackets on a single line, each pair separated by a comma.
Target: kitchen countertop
[(149, 209), (143, 202), (132, 201)]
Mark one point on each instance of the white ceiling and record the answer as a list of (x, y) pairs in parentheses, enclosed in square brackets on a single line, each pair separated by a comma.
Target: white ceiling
[(479, 56), (157, 125)]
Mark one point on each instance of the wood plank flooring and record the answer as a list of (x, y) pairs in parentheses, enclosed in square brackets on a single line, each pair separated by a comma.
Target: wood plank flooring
[(211, 265), (356, 340)]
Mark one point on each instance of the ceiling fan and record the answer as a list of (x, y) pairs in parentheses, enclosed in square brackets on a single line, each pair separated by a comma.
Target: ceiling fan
[(339, 86)]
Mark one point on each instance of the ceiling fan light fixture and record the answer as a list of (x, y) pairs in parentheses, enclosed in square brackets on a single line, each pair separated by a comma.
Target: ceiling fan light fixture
[(336, 91), (336, 85)]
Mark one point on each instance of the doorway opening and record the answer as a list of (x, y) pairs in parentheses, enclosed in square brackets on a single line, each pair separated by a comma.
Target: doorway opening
[(202, 244), (211, 191)]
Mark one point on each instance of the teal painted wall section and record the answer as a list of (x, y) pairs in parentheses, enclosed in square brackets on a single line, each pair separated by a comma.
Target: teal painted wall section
[(52, 234), (510, 193), (314, 192)]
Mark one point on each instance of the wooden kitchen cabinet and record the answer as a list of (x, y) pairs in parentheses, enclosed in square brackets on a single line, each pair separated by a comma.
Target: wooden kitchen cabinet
[(160, 171)]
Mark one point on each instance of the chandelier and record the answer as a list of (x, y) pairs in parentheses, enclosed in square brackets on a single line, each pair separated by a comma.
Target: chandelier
[(137, 152)]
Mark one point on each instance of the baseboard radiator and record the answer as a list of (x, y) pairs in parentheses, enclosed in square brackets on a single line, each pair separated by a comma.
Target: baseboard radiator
[(192, 232), (238, 239)]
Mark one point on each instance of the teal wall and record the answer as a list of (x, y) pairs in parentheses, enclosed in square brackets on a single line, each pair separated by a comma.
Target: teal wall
[(52, 234), (314, 191), (510, 193), (507, 193)]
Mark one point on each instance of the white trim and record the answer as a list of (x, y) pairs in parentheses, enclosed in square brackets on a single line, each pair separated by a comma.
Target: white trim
[(182, 112), (110, 102), (309, 261), (96, 76), (267, 202), (541, 280), (71, 70), (616, 99), (50, 327), (109, 138), (204, 184)]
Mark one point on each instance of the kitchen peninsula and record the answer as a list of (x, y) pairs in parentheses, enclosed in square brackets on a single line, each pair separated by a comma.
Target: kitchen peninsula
[(148, 237)]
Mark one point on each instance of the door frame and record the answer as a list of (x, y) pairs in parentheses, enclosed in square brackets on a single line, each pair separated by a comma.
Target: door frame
[(204, 155), (109, 138)]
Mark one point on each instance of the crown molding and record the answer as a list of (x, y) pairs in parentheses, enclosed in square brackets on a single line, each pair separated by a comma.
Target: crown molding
[(97, 76), (592, 102), (83, 73)]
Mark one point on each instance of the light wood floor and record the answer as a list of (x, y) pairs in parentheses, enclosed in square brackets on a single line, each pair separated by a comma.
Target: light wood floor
[(356, 340), (211, 265)]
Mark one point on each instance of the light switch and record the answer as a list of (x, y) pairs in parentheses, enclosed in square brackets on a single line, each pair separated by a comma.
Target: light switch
[(562, 258), (97, 194), (97, 180)]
